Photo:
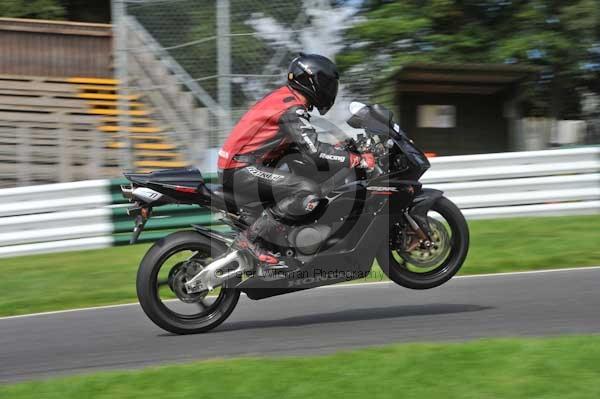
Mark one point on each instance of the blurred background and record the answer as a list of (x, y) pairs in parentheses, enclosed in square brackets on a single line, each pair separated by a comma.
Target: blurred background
[(162, 85), (503, 95), (90, 89)]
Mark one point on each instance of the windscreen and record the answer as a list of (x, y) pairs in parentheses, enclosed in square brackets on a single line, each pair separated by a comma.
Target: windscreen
[(328, 132)]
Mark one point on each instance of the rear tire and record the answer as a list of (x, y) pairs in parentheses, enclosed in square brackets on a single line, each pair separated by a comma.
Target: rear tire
[(147, 285), (401, 275)]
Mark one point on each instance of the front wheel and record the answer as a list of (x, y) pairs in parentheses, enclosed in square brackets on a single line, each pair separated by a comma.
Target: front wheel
[(422, 268), (161, 278)]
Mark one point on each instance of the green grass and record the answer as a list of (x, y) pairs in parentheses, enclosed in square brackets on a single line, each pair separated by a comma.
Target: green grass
[(565, 368), (98, 277), (68, 279), (533, 244)]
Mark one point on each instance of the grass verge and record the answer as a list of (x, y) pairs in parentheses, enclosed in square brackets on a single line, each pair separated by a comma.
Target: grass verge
[(99, 277), (565, 368)]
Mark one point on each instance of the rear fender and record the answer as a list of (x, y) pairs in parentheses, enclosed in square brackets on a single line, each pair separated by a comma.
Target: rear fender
[(145, 196), (184, 186)]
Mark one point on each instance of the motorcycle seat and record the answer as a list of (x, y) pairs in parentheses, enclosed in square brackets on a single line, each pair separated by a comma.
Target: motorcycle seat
[(215, 195), (216, 191)]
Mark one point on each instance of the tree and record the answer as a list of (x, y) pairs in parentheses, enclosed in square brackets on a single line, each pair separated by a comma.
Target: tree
[(561, 36), (44, 9)]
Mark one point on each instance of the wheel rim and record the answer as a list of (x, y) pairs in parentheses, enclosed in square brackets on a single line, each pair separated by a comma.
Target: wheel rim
[(169, 291), (427, 262)]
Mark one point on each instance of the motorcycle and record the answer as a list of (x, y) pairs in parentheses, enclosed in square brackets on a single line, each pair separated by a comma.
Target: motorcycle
[(190, 281)]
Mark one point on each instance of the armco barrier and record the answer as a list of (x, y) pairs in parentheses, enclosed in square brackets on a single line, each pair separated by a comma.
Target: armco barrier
[(92, 214)]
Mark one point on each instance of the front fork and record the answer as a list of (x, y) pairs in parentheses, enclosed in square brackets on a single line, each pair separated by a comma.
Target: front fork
[(417, 216), (422, 232)]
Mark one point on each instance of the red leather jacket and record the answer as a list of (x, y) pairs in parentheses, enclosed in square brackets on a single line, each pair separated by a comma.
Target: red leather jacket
[(266, 131)]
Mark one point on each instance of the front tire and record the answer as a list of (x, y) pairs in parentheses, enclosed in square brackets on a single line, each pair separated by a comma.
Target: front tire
[(148, 285), (398, 271)]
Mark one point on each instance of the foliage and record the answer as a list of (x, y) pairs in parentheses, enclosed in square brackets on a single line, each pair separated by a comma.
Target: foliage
[(44, 9), (563, 37)]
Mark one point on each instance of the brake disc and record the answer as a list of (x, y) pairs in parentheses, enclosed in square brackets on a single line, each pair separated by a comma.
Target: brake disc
[(436, 253)]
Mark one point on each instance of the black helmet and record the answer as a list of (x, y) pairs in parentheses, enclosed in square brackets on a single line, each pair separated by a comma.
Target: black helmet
[(317, 78)]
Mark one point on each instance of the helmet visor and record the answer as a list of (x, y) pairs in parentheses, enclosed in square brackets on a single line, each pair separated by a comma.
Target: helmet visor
[(328, 89)]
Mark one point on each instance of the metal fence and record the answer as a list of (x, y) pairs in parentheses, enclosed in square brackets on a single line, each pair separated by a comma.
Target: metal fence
[(202, 62), (91, 214)]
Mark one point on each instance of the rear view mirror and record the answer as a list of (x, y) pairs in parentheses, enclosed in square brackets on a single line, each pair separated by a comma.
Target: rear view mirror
[(355, 107), (382, 114), (358, 111), (377, 118)]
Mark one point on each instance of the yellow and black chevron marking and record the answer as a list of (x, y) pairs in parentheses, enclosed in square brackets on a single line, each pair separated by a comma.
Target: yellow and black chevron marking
[(152, 149)]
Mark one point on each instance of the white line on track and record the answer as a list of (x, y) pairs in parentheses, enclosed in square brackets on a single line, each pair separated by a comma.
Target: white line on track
[(352, 285)]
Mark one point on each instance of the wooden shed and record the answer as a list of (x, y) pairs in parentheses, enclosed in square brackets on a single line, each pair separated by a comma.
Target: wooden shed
[(451, 109)]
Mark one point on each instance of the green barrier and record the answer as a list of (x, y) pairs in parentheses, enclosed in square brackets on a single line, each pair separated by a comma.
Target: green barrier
[(165, 223), (145, 237), (155, 235), (167, 210)]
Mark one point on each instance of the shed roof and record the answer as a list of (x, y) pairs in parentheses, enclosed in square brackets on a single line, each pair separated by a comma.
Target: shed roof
[(461, 78)]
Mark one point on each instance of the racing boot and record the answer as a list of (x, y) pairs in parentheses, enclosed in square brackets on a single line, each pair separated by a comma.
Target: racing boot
[(255, 235), (264, 256)]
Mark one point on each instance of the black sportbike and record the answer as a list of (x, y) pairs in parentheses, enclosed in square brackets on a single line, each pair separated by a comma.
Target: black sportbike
[(190, 281)]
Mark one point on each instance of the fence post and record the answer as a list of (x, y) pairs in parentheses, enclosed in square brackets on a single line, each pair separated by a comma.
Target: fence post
[(118, 10), (224, 63)]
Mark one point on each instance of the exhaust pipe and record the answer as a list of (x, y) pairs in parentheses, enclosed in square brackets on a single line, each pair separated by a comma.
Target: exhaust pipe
[(219, 271)]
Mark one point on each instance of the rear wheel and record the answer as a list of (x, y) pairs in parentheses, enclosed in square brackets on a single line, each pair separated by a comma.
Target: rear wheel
[(420, 267), (161, 278)]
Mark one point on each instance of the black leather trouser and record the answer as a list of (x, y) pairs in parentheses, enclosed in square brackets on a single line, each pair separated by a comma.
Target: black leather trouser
[(287, 197)]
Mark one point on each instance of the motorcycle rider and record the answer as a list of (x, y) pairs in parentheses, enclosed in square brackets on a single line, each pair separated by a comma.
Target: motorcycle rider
[(248, 159)]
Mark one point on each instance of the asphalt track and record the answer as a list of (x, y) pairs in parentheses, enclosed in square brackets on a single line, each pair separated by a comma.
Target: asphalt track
[(310, 322)]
